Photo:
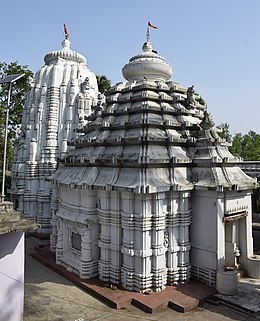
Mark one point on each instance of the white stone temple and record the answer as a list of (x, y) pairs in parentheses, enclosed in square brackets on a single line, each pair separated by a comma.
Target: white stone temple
[(60, 98), (150, 194)]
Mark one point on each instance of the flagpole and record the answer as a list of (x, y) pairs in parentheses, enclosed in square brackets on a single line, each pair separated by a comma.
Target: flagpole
[(147, 34), (65, 31)]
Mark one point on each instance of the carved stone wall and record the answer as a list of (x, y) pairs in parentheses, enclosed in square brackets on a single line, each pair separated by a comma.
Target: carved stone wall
[(57, 104), (141, 241)]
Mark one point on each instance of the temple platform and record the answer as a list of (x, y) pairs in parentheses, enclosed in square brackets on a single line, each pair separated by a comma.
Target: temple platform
[(181, 298)]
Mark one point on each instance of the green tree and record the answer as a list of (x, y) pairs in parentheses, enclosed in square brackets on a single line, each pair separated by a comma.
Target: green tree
[(225, 133), (246, 146), (236, 148), (19, 89), (103, 83), (251, 146)]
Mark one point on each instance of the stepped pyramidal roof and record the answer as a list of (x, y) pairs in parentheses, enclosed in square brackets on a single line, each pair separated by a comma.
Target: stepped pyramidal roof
[(151, 135)]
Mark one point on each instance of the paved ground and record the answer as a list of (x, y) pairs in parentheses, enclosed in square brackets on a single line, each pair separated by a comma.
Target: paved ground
[(248, 296), (182, 298), (50, 297)]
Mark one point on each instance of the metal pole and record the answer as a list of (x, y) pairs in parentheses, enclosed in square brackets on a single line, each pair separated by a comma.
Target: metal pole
[(5, 140), (147, 34)]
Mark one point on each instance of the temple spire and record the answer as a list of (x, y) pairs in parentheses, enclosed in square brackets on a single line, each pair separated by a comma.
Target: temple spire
[(65, 31)]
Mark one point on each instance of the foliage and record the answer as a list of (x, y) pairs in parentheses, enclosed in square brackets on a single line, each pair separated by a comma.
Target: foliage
[(225, 133), (250, 146), (103, 83), (246, 146), (19, 89), (236, 148)]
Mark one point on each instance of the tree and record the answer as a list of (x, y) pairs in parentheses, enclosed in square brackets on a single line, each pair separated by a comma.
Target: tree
[(103, 83), (246, 146), (225, 133), (19, 89), (251, 146), (236, 148)]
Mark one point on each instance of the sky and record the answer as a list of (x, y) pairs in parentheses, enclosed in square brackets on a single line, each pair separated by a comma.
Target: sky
[(213, 45)]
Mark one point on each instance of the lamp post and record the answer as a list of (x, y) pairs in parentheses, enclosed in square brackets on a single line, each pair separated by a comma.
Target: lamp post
[(10, 79)]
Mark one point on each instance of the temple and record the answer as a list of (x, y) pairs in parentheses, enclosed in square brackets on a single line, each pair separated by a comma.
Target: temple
[(57, 104), (148, 194)]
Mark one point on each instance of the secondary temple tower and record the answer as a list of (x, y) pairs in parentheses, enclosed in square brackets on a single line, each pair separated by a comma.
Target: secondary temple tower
[(59, 99)]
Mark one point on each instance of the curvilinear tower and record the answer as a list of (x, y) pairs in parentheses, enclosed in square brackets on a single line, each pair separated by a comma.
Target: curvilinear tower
[(60, 98)]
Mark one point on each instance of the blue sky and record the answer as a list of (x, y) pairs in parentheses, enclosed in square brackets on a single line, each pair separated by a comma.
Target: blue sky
[(214, 45)]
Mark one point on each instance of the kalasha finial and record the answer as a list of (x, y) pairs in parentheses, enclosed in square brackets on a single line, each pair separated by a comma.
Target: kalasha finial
[(66, 31)]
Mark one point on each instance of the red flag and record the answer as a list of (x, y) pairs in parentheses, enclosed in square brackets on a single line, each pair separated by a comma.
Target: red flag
[(66, 31), (151, 25)]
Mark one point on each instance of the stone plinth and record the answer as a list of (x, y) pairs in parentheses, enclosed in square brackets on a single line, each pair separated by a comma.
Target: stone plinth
[(227, 282), (253, 267)]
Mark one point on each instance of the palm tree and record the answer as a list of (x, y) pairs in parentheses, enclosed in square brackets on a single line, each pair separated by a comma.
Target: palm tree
[(103, 83)]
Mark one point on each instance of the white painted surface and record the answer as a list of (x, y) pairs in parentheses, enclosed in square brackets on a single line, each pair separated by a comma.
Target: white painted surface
[(60, 96), (11, 276), (148, 188)]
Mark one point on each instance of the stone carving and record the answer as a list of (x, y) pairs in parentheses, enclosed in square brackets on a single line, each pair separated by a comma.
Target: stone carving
[(101, 100), (85, 86), (207, 121), (190, 101), (166, 240)]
